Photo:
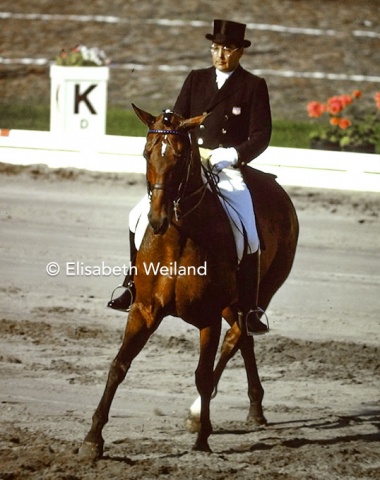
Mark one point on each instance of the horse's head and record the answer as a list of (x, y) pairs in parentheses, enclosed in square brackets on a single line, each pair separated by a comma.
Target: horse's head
[(169, 153)]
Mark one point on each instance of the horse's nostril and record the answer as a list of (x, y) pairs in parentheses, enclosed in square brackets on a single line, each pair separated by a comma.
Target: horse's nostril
[(156, 229), (159, 225)]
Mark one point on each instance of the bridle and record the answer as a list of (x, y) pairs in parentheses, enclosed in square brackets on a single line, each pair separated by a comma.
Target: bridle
[(179, 196), (162, 186)]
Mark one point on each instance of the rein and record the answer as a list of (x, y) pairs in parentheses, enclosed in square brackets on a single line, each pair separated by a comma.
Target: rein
[(183, 184)]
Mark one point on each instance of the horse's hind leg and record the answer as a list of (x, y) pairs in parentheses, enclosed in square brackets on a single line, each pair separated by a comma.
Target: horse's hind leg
[(136, 335), (229, 347), (233, 341), (255, 389), (271, 282)]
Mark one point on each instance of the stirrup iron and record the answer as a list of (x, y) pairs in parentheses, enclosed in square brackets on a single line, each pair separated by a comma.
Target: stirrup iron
[(243, 323), (127, 288)]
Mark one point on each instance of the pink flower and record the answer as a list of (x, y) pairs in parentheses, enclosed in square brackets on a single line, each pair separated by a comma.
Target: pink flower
[(356, 93)]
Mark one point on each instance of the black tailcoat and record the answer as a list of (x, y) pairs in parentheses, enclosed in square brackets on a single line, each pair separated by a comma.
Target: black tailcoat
[(240, 111)]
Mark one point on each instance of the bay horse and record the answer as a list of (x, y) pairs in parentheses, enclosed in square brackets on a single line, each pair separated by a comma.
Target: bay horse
[(189, 230)]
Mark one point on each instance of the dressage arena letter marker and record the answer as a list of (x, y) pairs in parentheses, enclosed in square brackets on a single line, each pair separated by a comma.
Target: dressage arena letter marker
[(82, 97)]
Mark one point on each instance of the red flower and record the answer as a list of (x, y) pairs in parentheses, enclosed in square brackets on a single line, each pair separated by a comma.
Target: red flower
[(335, 105), (344, 123), (315, 109), (334, 120), (377, 99), (345, 100), (341, 128)]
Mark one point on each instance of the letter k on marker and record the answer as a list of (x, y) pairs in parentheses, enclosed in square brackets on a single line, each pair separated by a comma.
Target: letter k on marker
[(82, 97)]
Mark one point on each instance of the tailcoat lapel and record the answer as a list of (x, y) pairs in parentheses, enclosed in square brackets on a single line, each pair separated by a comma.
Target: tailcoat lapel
[(231, 86)]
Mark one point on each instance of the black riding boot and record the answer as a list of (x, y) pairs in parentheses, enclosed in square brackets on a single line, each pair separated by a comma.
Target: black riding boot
[(248, 278), (124, 302)]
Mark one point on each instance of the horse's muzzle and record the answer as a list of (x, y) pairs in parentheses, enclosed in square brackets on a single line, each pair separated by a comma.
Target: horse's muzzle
[(159, 224), (160, 210)]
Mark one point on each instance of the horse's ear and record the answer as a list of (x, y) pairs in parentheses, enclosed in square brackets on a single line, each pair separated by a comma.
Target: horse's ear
[(193, 122), (145, 117)]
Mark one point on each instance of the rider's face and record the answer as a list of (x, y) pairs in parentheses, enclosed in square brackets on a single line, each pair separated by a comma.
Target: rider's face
[(226, 58)]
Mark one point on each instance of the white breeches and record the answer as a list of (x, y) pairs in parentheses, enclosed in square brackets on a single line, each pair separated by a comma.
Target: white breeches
[(237, 203)]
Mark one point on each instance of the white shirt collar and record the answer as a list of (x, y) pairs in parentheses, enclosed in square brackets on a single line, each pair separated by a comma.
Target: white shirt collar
[(222, 77)]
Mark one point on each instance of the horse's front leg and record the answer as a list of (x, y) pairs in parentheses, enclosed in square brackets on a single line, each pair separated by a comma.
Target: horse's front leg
[(204, 379), (136, 335)]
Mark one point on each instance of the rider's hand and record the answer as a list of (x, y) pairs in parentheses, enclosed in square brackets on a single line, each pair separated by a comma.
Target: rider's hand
[(223, 157)]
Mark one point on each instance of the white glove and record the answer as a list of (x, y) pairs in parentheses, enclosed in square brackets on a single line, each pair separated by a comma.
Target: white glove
[(223, 157)]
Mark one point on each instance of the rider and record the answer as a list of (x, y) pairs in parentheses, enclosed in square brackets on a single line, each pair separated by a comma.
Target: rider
[(236, 132)]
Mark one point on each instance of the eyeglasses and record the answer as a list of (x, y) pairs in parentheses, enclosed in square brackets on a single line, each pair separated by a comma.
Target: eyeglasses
[(216, 49)]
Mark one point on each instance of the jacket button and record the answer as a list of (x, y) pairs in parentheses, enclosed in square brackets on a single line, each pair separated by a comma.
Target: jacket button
[(224, 131), (200, 141)]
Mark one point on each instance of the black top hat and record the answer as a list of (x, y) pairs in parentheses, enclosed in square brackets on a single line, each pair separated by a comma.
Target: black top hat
[(229, 33)]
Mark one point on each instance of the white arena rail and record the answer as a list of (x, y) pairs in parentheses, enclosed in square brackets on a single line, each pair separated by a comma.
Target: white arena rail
[(109, 153)]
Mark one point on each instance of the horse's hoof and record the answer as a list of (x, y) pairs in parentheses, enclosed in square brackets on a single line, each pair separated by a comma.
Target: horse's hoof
[(193, 424), (258, 420), (91, 451), (202, 447)]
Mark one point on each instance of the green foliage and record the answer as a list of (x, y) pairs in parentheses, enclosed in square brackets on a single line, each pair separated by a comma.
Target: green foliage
[(124, 122), (346, 123), (75, 59), (354, 135), (287, 133), (37, 117), (81, 56), (24, 117), (120, 121)]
